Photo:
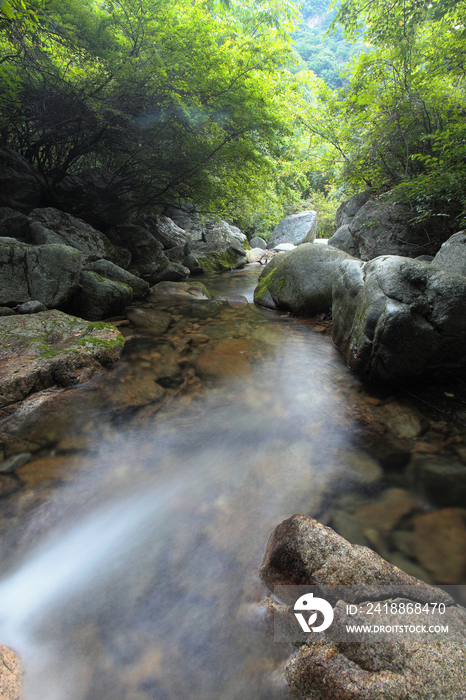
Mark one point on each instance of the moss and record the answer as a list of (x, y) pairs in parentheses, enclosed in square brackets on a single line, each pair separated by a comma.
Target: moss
[(246, 245), (264, 283), (280, 284), (99, 326)]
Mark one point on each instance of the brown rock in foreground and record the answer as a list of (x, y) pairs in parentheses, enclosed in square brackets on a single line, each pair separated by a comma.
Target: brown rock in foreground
[(301, 551), (10, 675)]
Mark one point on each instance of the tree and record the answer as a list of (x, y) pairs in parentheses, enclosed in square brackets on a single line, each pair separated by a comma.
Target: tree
[(179, 100)]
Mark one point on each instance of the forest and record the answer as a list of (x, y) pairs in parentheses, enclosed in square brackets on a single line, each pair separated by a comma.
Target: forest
[(252, 112)]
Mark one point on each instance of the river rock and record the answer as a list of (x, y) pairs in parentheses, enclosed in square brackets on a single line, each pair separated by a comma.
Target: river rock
[(219, 256), (180, 290), (168, 271), (22, 188), (149, 320), (187, 218), (166, 231), (387, 229), (96, 196), (98, 297), (452, 255), (301, 551), (31, 307), (296, 229), (144, 248), (48, 274), (107, 269), (385, 513), (399, 319), (11, 675), (215, 365), (343, 240), (13, 224), (258, 242), (254, 255), (192, 263), (221, 235), (50, 225), (52, 348), (349, 208), (439, 544), (301, 280), (439, 478)]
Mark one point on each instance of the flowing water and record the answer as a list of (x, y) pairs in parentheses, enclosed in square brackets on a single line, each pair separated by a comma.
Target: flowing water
[(133, 575)]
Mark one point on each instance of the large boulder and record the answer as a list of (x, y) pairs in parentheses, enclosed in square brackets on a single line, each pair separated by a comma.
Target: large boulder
[(96, 196), (296, 229), (452, 255), (48, 273), (343, 240), (168, 271), (349, 208), (50, 225), (258, 242), (187, 218), (165, 230), (50, 348), (144, 248), (13, 224), (107, 269), (21, 186), (397, 319), (221, 234), (98, 297), (419, 665), (388, 229), (301, 280)]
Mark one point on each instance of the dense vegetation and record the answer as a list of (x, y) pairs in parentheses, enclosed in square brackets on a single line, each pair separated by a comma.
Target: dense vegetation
[(398, 126), (179, 100)]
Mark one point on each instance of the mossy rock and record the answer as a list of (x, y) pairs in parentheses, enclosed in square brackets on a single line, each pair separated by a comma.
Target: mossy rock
[(52, 348)]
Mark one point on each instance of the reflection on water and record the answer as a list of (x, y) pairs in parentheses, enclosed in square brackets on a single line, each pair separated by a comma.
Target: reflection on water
[(141, 582)]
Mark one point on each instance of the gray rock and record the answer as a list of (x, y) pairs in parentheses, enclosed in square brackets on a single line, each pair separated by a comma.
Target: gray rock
[(150, 320), (179, 253), (31, 307), (349, 208), (50, 225), (397, 319), (180, 290), (221, 235), (387, 229), (21, 186), (145, 250), (13, 224), (296, 229), (441, 479), (254, 255), (98, 297), (301, 280), (168, 272), (166, 231), (343, 240), (51, 348), (107, 269), (6, 311), (217, 256), (96, 196), (452, 255), (48, 274), (258, 242), (192, 263), (425, 258), (187, 218), (235, 232), (284, 247), (301, 551)]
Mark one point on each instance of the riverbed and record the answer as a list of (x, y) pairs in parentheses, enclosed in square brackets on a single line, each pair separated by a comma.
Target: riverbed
[(132, 539)]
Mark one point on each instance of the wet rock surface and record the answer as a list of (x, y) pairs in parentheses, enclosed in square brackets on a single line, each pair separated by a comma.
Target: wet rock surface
[(303, 551), (301, 280), (396, 319), (52, 348)]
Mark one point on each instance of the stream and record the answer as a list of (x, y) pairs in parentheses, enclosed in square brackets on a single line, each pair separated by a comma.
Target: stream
[(131, 547)]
